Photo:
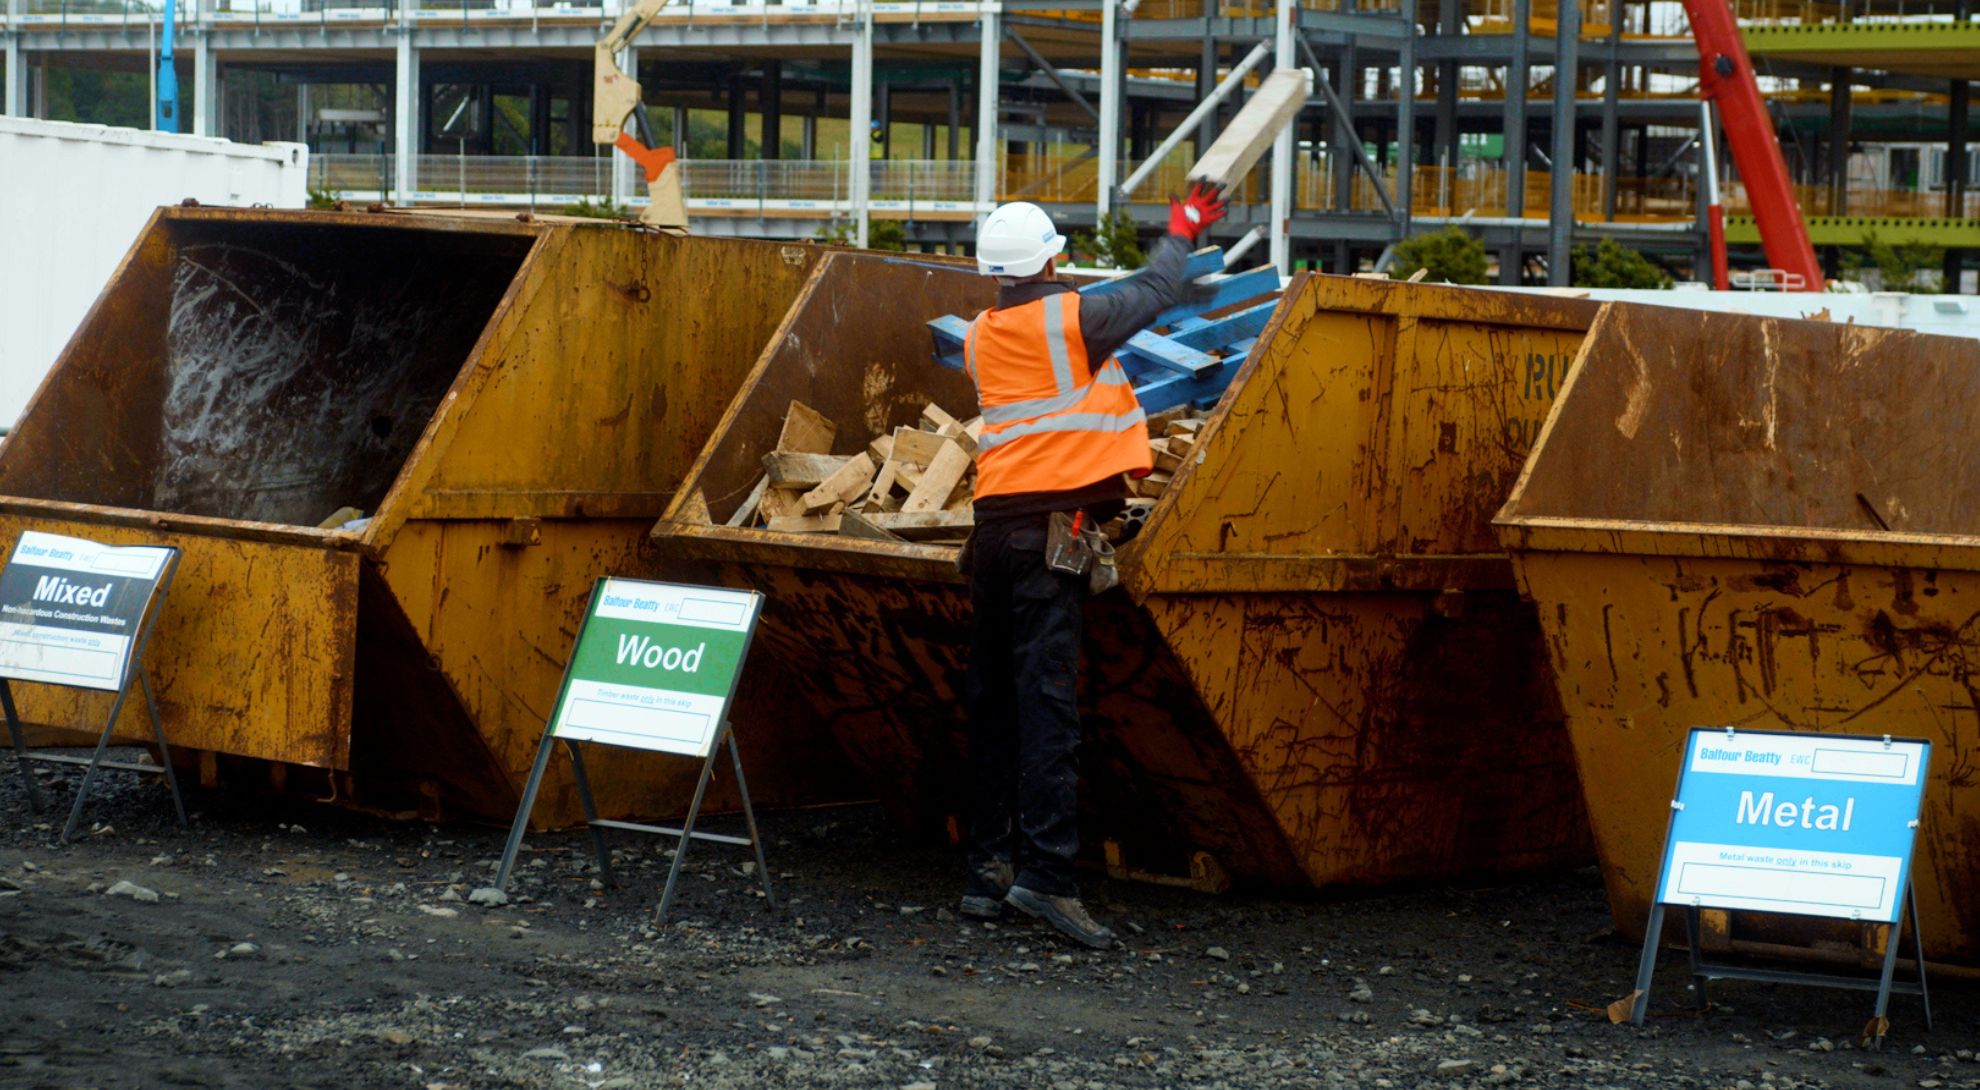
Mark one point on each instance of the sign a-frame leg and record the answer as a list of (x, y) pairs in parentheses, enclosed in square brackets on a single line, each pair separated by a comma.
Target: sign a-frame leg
[(597, 825), (654, 668), (132, 675)]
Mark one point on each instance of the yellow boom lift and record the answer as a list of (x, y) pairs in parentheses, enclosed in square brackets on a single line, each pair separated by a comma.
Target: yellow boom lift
[(615, 96)]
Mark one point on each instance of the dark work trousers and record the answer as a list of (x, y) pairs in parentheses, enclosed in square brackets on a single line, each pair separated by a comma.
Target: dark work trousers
[(1024, 707)]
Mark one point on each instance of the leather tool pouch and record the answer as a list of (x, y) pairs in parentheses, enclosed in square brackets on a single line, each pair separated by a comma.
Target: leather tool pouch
[(1066, 551)]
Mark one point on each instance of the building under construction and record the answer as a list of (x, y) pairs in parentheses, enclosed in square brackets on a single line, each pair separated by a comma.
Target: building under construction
[(761, 101)]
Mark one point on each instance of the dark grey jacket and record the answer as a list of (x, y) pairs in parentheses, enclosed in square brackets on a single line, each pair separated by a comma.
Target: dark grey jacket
[(1107, 321), (1105, 324)]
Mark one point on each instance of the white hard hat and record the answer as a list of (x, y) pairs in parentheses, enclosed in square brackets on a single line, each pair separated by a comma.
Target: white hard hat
[(1017, 240)]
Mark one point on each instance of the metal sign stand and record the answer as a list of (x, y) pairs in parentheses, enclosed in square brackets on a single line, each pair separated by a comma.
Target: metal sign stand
[(134, 673), (1704, 971), (686, 833), (724, 736)]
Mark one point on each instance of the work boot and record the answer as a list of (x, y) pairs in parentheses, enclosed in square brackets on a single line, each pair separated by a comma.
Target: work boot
[(1064, 913), (983, 894)]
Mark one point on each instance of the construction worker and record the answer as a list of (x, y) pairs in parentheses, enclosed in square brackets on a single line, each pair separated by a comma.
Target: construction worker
[(1061, 428)]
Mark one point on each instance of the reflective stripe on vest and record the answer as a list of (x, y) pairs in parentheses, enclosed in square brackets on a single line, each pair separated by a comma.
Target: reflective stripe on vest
[(1051, 421)]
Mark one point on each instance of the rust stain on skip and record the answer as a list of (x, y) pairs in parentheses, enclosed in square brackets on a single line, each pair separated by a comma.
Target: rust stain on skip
[(1789, 540), (1317, 670), (247, 373)]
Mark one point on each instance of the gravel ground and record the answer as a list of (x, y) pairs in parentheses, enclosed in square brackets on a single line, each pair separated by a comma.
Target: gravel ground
[(285, 945)]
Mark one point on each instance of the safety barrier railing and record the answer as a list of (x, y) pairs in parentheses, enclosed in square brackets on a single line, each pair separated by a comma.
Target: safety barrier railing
[(1478, 189), (234, 12), (899, 184)]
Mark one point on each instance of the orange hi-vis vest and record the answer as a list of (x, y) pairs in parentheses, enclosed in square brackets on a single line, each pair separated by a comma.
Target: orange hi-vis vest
[(1050, 422)]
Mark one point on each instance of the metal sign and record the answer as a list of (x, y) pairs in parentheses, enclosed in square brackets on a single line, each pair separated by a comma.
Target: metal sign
[(70, 609), (1802, 824), (655, 666), (1808, 824)]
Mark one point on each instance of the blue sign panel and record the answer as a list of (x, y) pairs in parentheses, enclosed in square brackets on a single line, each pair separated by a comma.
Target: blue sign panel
[(1809, 824)]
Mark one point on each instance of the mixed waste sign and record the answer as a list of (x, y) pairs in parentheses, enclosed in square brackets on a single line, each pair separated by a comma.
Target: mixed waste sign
[(70, 609)]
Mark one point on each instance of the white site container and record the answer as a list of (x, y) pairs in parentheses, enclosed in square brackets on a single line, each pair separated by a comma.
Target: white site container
[(1946, 315), (72, 200)]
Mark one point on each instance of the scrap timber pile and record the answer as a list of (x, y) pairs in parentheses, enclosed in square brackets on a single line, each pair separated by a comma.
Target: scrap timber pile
[(915, 484)]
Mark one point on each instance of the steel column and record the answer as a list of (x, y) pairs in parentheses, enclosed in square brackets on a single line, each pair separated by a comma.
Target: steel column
[(408, 116), (1611, 140), (1839, 140), (1560, 197), (860, 151), (1282, 148), (1406, 117), (1108, 141), (206, 86), (773, 109), (1206, 82), (13, 96), (955, 120), (1346, 138), (987, 155), (1512, 259)]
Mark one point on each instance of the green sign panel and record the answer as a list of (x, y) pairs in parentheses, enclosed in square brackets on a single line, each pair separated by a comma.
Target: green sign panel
[(655, 666)]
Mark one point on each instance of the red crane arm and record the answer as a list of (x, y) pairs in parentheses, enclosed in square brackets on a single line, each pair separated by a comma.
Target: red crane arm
[(1725, 77)]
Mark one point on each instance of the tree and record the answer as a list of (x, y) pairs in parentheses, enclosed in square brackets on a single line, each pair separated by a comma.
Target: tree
[(1449, 255), (1612, 265), (880, 234), (1114, 243), (1900, 266)]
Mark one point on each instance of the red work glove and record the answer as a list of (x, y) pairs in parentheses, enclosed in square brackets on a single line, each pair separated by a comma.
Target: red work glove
[(1194, 215)]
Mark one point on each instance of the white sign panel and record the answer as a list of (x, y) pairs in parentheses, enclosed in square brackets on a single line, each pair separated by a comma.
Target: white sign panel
[(1810, 824), (70, 609), (656, 665)]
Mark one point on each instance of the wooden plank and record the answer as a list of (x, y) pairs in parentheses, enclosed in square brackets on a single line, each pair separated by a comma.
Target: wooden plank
[(1250, 134), (883, 486), (747, 511), (1152, 485), (780, 503), (806, 431), (881, 449), (808, 524), (912, 446), (856, 525), (1167, 460), (843, 486), (938, 481), (908, 476), (801, 471), (927, 524), (1186, 427), (935, 418)]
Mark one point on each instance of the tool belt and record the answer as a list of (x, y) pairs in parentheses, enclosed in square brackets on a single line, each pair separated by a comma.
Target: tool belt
[(1077, 549)]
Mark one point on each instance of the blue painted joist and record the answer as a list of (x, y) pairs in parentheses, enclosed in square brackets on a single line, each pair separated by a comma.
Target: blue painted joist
[(1229, 291)]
